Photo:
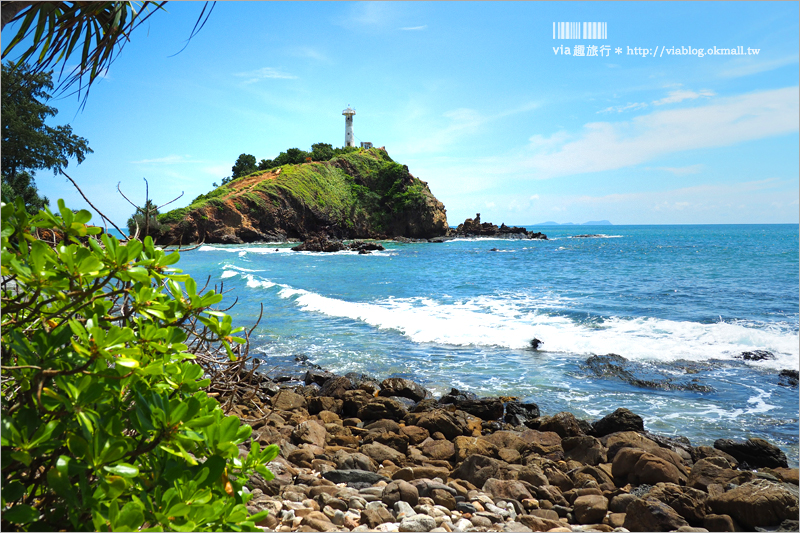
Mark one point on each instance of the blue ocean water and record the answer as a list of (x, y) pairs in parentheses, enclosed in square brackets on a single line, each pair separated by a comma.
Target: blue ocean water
[(681, 303)]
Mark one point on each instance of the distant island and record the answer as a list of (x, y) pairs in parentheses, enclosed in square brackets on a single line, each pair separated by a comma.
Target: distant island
[(358, 194), (590, 223)]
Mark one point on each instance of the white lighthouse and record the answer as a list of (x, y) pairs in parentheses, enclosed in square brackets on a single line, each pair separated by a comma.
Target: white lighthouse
[(348, 126)]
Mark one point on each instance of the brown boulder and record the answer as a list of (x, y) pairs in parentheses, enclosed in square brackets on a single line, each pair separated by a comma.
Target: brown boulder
[(380, 452), (590, 509), (311, 432), (711, 470), (399, 490), (382, 408), (544, 443), (507, 439), (506, 489), (439, 449), (720, 522), (652, 515), (564, 424), (404, 388), (757, 503), (437, 420), (335, 387), (635, 466), (690, 503), (538, 524), (584, 449), (353, 400), (620, 420), (466, 446), (478, 468), (627, 439), (287, 400), (410, 473), (415, 434)]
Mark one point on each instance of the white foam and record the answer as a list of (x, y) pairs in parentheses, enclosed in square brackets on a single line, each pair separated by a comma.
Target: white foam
[(511, 321), (228, 274)]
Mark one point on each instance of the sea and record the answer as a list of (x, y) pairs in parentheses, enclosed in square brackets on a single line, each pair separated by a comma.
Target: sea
[(704, 318)]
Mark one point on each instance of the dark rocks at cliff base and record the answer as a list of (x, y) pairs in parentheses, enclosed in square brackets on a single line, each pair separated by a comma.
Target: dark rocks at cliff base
[(324, 244), (475, 228), (535, 343), (620, 420), (613, 366), (789, 378)]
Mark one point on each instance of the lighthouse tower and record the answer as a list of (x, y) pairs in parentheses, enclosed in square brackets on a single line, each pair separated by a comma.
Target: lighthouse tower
[(348, 126)]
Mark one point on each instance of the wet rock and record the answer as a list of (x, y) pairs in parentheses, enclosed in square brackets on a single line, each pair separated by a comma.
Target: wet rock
[(613, 366), (652, 515), (455, 396), (755, 452), (317, 376), (335, 387), (485, 408), (520, 414), (405, 388), (757, 503), (756, 355), (620, 420), (789, 378), (400, 491), (363, 382)]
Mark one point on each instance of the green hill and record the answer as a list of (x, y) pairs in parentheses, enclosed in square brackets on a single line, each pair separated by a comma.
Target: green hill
[(360, 194)]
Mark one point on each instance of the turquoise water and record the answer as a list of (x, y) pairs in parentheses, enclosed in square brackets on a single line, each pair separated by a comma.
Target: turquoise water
[(679, 302)]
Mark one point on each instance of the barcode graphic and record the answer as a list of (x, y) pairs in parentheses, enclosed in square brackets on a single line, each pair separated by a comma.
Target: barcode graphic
[(580, 30)]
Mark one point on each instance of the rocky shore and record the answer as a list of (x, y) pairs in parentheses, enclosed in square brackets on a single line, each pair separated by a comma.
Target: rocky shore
[(475, 228), (359, 455)]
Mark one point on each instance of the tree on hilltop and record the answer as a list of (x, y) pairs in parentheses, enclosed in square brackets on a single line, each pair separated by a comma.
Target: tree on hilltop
[(243, 166)]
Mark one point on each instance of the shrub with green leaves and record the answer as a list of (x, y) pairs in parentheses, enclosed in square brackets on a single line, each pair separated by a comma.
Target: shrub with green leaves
[(105, 425)]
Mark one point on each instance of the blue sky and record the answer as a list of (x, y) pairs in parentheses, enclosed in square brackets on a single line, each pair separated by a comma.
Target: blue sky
[(472, 97)]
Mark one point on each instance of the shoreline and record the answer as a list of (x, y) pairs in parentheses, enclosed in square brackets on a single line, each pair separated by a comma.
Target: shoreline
[(358, 455)]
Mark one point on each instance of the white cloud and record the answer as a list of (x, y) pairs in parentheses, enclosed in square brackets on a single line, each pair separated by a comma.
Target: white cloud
[(263, 74), (414, 28), (534, 197), (612, 145), (681, 95), (620, 108), (681, 171)]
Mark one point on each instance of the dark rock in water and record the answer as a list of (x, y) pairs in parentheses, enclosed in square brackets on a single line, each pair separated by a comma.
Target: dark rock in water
[(756, 355), (405, 388), (303, 360), (788, 378), (354, 476), (335, 387), (363, 382), (484, 408), (494, 250), (456, 395), (427, 404), (620, 420), (588, 236), (535, 343), (615, 366), (319, 244), (475, 228), (755, 452), (318, 376), (519, 414)]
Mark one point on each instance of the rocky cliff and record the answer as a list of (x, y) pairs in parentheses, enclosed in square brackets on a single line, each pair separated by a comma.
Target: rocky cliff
[(362, 194)]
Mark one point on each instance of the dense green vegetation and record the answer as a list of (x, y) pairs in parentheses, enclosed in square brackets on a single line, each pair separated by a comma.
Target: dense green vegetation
[(28, 143), (105, 425), (373, 187)]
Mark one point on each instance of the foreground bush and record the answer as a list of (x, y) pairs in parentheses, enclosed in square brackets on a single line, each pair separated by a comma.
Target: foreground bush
[(104, 422)]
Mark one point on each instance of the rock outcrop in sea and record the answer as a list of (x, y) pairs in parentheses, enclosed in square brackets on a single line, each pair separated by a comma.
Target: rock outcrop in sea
[(362, 455), (475, 228), (359, 195)]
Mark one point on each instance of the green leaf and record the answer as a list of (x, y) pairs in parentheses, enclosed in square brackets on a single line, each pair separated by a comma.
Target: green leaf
[(130, 518), (123, 469), (21, 514)]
